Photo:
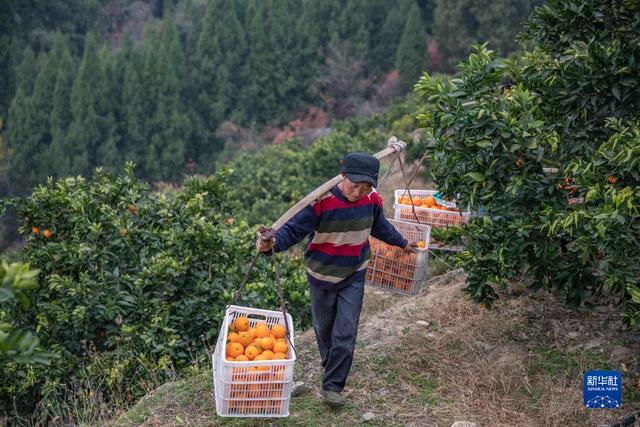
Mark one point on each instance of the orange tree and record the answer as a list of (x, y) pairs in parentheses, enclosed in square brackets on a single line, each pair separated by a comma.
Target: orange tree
[(572, 103), (133, 286)]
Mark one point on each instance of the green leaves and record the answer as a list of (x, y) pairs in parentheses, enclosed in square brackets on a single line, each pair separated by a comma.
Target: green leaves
[(128, 275), (476, 176), (568, 107)]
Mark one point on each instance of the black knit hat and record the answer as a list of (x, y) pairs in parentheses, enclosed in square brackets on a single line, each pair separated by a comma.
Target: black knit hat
[(361, 167)]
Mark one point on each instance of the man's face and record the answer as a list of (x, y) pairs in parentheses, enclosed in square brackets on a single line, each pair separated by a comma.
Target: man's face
[(355, 191)]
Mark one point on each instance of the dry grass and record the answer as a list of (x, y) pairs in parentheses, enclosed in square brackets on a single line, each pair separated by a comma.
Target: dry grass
[(437, 358)]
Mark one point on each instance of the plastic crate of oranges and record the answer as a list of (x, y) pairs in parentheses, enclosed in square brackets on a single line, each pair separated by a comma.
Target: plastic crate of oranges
[(428, 209), (253, 364), (396, 269)]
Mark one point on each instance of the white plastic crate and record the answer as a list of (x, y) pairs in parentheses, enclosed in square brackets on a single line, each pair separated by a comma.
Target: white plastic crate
[(253, 388), (396, 269), (437, 218)]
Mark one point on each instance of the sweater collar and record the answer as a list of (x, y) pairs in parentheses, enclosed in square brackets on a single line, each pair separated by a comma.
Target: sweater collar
[(336, 192)]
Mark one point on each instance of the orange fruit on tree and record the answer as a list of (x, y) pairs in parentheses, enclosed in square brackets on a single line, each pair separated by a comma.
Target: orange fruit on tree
[(278, 331), (612, 179), (262, 330), (241, 324), (266, 343), (234, 350), (133, 208), (35, 230), (252, 352), (280, 347), (47, 233)]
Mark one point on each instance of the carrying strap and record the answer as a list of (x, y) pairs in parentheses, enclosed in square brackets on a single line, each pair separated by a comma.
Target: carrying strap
[(283, 302)]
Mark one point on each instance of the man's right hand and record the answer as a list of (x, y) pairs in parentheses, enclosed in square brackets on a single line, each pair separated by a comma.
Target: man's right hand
[(262, 244)]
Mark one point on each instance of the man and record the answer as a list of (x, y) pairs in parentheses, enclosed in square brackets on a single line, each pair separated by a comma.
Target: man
[(336, 259)]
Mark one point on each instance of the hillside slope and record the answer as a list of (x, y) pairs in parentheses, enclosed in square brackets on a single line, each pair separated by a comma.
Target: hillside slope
[(437, 358)]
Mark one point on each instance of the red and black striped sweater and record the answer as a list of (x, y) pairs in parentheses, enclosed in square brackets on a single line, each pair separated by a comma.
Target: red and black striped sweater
[(338, 250)]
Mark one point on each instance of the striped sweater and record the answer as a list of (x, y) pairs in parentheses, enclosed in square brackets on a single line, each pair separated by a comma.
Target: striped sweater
[(338, 250)]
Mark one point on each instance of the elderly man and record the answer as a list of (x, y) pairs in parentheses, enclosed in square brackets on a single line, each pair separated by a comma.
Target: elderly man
[(337, 255)]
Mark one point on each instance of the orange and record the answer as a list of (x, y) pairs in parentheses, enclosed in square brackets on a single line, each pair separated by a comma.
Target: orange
[(233, 337), (430, 202), (417, 202), (252, 352), (262, 330), (133, 208), (421, 244), (280, 347), (612, 179), (242, 358), (278, 331), (241, 324), (35, 230), (234, 349), (244, 338), (266, 343), (48, 233), (279, 356), (252, 332), (268, 354)]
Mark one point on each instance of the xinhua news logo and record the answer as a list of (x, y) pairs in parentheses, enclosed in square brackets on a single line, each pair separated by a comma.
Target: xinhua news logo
[(602, 389)]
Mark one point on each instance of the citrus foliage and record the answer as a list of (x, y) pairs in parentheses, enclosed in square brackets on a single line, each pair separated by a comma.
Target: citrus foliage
[(133, 284), (17, 345), (574, 106)]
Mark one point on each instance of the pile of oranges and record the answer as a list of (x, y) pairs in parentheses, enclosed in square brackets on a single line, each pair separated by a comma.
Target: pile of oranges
[(261, 342), (424, 202), (427, 211), (260, 389), (391, 267)]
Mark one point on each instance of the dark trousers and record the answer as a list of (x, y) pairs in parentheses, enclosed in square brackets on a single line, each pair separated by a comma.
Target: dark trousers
[(335, 321)]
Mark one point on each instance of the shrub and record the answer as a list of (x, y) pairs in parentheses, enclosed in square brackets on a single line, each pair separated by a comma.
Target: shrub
[(573, 106), (134, 285)]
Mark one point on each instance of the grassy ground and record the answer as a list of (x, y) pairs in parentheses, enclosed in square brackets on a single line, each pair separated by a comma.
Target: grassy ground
[(436, 359)]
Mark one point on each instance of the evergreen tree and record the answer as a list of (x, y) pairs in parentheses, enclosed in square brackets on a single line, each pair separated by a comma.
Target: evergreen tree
[(42, 100), (84, 133), (22, 143), (259, 96), (220, 55), (281, 39), (385, 51), (352, 26), (133, 111), (7, 77), (166, 145), (412, 50), (21, 123), (458, 24), (61, 117), (26, 72)]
